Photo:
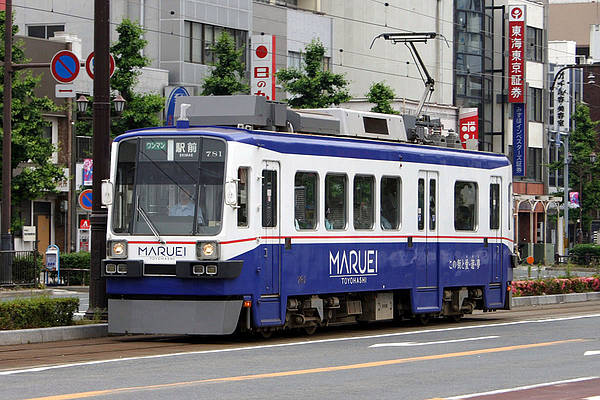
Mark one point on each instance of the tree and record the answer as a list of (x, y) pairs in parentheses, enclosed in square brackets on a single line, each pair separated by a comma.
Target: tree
[(381, 94), (226, 76), (142, 109), (313, 87), (584, 171), (35, 174)]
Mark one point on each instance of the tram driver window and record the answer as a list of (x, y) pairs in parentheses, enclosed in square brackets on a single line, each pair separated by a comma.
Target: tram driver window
[(363, 202), (305, 200), (242, 211), (390, 203), (465, 206), (335, 201)]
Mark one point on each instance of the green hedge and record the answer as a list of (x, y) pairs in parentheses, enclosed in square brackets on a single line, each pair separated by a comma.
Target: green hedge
[(37, 312), (80, 259), (585, 254)]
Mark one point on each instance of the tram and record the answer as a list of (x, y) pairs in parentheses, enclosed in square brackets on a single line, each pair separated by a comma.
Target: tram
[(284, 219)]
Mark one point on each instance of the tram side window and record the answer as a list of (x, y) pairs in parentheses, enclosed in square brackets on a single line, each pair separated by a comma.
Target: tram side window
[(305, 200), (390, 203), (335, 201), (269, 198), (363, 202), (465, 206), (421, 204), (494, 206), (242, 195)]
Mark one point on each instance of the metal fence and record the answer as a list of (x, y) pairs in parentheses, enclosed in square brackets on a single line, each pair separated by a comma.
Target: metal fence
[(20, 268)]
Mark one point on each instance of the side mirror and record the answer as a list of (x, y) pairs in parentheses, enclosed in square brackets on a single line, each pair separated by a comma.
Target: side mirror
[(231, 193), (107, 193)]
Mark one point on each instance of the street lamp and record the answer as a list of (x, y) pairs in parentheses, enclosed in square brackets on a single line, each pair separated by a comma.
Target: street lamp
[(83, 102)]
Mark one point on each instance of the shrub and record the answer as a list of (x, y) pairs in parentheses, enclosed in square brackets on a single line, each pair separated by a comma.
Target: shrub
[(583, 254), (556, 286), (26, 269), (80, 259), (37, 312)]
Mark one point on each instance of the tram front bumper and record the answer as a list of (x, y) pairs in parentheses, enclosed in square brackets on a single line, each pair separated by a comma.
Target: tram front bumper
[(180, 317)]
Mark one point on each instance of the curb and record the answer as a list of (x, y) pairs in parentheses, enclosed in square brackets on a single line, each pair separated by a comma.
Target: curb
[(554, 299), (43, 335)]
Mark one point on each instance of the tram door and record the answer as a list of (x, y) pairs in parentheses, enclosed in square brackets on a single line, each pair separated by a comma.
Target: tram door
[(495, 247), (427, 187), (271, 223)]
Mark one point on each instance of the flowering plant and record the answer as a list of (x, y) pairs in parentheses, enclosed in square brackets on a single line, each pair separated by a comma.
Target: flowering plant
[(556, 286)]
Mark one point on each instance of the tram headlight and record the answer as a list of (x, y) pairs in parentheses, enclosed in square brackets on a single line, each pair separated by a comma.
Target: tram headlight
[(117, 249), (207, 250), (111, 268)]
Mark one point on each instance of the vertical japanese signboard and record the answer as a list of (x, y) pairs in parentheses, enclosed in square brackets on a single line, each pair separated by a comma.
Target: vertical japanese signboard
[(516, 54), (562, 103), (469, 128), (262, 72), (519, 144)]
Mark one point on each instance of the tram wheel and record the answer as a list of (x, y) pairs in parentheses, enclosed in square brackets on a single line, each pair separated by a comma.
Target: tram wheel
[(265, 333), (455, 318), (310, 330), (423, 319)]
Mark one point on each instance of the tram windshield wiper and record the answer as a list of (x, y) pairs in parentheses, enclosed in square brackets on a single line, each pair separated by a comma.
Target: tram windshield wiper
[(148, 221)]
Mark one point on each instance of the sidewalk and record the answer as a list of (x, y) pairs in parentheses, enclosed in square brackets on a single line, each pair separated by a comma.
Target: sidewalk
[(43, 335)]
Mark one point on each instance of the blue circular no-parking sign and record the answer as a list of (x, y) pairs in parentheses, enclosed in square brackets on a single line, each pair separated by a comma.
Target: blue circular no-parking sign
[(85, 199), (64, 66)]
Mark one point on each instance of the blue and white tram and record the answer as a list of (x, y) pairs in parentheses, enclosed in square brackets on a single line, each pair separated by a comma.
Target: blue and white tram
[(298, 231)]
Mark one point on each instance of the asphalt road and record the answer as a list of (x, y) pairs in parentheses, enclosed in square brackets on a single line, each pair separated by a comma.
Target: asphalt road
[(538, 350)]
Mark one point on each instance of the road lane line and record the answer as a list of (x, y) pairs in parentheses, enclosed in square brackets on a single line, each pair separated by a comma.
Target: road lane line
[(592, 353), (308, 342), (410, 344), (515, 389), (281, 374)]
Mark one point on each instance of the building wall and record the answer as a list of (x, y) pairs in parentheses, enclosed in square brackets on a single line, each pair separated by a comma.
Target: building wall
[(571, 21), (393, 64)]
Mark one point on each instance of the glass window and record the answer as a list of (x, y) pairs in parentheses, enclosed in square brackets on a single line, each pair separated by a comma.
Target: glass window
[(37, 31), (421, 204), (390, 203), (335, 201), (465, 206), (432, 204), (269, 198), (494, 206), (242, 211), (305, 200), (52, 29), (363, 202)]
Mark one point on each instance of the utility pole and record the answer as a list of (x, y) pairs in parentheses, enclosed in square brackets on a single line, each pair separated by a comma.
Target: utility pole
[(6, 236), (101, 127)]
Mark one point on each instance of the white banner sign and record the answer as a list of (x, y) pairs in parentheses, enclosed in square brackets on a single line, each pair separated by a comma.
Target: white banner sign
[(562, 102), (262, 72)]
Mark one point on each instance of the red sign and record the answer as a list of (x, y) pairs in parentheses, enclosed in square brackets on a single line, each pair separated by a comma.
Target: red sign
[(89, 65), (469, 128), (84, 224), (516, 54), (64, 66)]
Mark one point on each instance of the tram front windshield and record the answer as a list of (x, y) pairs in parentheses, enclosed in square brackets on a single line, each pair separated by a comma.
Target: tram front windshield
[(169, 186)]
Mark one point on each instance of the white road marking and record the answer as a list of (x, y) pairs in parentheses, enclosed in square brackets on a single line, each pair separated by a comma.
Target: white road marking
[(592, 398), (409, 344), (467, 396), (592, 353), (270, 346)]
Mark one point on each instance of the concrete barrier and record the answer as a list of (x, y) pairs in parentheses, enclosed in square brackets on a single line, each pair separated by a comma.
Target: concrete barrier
[(59, 333), (554, 299)]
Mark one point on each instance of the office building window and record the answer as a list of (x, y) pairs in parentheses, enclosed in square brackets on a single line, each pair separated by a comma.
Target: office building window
[(534, 105), (44, 31), (200, 38), (534, 49), (296, 60)]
